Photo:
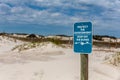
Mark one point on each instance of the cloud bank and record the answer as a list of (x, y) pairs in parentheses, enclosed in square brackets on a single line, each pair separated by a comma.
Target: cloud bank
[(63, 13)]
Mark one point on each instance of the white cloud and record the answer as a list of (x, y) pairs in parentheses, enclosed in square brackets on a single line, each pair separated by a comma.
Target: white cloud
[(17, 10), (4, 9), (21, 12)]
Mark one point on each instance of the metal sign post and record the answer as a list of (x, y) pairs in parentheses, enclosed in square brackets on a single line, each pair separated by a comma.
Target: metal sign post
[(83, 45)]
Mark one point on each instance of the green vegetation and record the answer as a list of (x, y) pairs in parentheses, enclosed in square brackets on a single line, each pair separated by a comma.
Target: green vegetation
[(55, 41), (97, 37), (114, 59), (32, 38), (26, 46)]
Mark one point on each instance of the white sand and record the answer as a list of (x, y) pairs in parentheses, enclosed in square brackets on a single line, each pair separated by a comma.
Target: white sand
[(100, 70), (50, 62), (6, 44), (60, 68)]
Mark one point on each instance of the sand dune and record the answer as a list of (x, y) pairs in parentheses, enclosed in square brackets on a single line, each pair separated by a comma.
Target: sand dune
[(47, 61), (43, 62)]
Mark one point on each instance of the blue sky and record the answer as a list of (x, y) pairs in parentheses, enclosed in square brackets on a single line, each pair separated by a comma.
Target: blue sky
[(50, 17)]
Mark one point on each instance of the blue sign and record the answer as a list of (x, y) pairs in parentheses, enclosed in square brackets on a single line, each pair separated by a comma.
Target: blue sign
[(83, 37)]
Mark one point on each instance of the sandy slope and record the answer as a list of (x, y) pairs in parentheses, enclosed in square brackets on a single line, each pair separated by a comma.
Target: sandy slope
[(99, 69), (6, 44), (47, 62), (51, 62), (60, 67), (103, 72)]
